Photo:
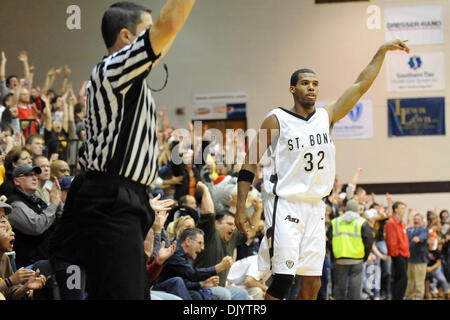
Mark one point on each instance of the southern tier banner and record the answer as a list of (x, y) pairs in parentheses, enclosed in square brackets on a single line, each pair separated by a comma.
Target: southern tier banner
[(420, 71), (416, 117)]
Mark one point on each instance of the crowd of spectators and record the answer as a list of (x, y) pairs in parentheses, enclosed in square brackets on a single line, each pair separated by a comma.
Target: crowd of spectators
[(194, 250)]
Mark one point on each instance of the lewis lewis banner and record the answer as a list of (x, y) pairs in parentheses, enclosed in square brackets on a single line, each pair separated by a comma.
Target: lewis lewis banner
[(416, 117)]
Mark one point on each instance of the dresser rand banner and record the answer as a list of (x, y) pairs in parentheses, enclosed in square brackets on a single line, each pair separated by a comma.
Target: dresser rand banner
[(415, 72), (416, 117), (421, 25)]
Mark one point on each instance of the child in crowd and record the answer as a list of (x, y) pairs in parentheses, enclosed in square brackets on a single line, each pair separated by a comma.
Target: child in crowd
[(11, 286)]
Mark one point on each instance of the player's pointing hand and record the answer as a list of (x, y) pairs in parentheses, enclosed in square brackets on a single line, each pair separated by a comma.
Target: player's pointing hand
[(397, 44)]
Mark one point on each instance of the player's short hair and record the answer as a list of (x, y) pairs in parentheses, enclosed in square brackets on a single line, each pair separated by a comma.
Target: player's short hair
[(294, 76), (119, 16), (190, 233)]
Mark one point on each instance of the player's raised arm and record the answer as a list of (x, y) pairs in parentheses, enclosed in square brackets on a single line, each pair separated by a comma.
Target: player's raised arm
[(339, 109), (169, 22), (247, 172)]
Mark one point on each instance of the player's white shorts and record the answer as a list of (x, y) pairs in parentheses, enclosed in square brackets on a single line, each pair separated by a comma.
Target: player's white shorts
[(294, 240)]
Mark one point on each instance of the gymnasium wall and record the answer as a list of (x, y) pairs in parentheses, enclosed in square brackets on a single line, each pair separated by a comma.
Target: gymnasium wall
[(254, 46)]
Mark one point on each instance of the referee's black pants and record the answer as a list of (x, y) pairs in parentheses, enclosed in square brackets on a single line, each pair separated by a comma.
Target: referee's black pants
[(103, 227)]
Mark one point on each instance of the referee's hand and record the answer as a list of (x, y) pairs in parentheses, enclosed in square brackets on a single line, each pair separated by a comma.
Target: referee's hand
[(161, 205)]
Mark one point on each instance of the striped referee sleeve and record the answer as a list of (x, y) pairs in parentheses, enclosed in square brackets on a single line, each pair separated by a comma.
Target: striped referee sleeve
[(133, 61)]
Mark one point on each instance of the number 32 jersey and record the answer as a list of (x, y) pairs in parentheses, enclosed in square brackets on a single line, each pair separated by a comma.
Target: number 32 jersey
[(300, 164)]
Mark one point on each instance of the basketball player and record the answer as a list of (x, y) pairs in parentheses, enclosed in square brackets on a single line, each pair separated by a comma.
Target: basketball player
[(107, 214), (301, 173)]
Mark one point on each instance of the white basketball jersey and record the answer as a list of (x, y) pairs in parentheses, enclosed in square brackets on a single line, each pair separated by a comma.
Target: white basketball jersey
[(301, 164)]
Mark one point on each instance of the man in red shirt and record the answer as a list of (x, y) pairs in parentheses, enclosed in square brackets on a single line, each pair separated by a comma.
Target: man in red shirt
[(27, 112), (398, 248)]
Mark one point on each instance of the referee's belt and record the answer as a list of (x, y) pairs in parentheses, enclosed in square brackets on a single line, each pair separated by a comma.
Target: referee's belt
[(115, 178)]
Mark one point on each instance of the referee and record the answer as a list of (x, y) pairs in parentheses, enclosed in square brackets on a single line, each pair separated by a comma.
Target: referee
[(107, 212)]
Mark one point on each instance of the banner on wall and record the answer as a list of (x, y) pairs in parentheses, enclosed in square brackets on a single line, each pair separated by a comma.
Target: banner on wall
[(415, 72), (236, 111), (218, 106), (416, 117), (358, 124), (421, 25)]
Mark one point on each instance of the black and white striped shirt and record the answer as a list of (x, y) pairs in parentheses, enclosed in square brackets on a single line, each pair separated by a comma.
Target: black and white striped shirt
[(121, 116)]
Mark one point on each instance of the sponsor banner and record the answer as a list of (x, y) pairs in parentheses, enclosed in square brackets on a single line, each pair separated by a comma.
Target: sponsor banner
[(236, 111), (216, 106), (416, 117), (421, 25), (415, 72), (209, 111), (357, 124)]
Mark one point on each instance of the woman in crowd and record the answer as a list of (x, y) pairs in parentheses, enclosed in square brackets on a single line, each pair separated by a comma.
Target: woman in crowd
[(175, 228), (16, 157)]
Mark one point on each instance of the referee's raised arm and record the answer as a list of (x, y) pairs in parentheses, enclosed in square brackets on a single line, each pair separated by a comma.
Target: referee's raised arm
[(169, 22), (134, 51)]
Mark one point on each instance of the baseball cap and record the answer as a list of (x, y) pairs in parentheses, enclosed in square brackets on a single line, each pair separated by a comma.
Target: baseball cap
[(165, 172), (6, 207), (65, 182), (353, 205), (25, 169)]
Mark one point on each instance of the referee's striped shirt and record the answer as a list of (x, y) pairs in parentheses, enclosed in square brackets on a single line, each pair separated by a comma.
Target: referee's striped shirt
[(121, 116)]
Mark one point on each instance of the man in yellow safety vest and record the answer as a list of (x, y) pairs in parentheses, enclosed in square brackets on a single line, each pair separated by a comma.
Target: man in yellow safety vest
[(351, 242)]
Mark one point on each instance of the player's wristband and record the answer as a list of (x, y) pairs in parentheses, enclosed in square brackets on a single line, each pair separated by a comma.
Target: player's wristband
[(245, 175), (8, 283)]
